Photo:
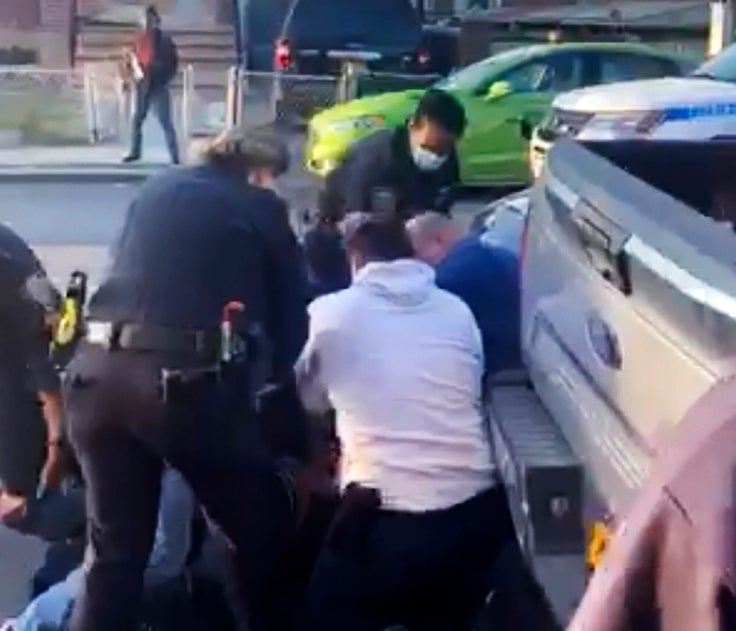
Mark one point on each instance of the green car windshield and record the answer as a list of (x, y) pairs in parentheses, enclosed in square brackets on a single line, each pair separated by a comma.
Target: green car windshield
[(472, 77), (721, 68)]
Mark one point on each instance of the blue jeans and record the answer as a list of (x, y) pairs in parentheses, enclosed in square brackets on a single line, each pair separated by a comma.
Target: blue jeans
[(167, 559), (158, 98), (57, 516)]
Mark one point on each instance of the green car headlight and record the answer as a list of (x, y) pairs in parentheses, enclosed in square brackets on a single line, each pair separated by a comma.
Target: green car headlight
[(357, 124)]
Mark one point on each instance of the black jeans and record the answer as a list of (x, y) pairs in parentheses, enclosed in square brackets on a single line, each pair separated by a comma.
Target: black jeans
[(158, 98), (122, 432), (423, 570)]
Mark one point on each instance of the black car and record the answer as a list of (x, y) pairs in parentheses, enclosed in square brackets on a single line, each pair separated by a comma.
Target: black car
[(441, 48), (314, 28)]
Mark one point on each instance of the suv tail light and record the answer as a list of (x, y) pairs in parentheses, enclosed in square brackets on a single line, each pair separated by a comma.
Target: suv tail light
[(423, 57), (282, 55)]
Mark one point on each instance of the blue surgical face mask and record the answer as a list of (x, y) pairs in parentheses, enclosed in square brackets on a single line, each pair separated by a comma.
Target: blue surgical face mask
[(427, 160)]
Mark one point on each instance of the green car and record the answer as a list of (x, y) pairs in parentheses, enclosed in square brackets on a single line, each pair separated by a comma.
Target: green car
[(501, 94)]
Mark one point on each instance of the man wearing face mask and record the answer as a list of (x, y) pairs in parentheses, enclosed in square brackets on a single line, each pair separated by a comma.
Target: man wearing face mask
[(408, 169)]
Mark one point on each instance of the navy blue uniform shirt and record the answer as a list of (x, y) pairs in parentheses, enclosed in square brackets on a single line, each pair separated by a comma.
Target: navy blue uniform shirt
[(486, 278), (197, 238), (25, 368)]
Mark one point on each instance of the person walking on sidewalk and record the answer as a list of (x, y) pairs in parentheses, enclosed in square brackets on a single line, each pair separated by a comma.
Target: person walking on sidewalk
[(153, 63)]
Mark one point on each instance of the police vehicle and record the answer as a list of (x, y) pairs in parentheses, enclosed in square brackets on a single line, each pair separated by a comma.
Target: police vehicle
[(700, 106)]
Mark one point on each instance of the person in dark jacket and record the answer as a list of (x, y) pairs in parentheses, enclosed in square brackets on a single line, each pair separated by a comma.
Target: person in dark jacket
[(151, 383), (153, 64), (408, 169), (32, 466), (486, 277), (324, 250), (268, 159)]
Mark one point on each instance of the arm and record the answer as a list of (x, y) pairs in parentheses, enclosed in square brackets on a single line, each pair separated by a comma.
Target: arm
[(309, 368), (287, 286), (45, 382)]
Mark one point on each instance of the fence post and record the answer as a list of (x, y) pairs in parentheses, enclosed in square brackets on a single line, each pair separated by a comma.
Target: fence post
[(120, 98), (90, 100), (234, 98), (187, 88)]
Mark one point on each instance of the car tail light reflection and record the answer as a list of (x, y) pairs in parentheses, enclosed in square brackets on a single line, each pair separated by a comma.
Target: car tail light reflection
[(282, 55)]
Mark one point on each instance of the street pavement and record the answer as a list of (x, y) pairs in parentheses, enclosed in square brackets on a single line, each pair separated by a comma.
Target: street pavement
[(70, 224)]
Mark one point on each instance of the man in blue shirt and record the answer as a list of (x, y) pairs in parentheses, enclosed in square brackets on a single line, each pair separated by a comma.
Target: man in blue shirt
[(484, 274)]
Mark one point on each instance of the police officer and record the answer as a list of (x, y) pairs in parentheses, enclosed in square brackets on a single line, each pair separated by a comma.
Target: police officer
[(408, 169), (158, 379), (30, 400)]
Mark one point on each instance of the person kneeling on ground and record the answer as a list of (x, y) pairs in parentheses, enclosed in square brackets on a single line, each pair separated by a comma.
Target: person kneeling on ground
[(422, 517), (484, 275)]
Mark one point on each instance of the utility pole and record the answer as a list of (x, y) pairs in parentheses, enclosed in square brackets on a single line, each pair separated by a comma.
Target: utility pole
[(238, 28), (721, 26)]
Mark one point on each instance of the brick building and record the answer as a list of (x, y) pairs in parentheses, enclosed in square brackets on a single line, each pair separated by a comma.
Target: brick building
[(45, 26)]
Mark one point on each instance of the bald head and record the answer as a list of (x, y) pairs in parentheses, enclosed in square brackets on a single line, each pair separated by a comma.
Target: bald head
[(433, 235)]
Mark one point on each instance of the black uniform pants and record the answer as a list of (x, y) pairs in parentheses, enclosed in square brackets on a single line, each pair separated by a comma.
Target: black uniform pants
[(427, 571), (122, 432)]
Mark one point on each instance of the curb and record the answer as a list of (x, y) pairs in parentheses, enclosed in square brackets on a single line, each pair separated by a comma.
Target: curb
[(81, 175)]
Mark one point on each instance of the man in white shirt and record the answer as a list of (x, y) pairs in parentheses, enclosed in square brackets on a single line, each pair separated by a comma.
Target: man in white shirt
[(401, 362)]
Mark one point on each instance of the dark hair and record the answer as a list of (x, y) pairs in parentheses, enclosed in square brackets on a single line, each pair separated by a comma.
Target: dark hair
[(330, 205), (443, 109), (381, 238), (152, 12)]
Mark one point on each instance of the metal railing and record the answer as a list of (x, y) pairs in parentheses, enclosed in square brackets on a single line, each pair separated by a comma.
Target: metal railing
[(94, 104)]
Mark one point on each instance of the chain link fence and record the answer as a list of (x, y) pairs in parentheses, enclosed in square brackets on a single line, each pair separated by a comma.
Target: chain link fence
[(42, 106), (93, 104), (269, 98)]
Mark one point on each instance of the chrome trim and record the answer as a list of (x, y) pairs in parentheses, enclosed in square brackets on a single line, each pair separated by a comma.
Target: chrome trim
[(685, 282)]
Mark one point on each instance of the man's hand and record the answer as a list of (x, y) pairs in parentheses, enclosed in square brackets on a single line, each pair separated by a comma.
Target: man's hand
[(52, 474), (12, 508)]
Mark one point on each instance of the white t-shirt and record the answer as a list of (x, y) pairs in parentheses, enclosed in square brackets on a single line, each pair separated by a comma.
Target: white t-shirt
[(401, 361)]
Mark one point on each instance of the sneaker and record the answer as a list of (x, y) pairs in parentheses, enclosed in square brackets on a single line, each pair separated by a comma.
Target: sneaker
[(131, 157)]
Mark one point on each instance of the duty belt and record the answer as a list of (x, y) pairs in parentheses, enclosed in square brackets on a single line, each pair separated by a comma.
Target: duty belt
[(154, 338)]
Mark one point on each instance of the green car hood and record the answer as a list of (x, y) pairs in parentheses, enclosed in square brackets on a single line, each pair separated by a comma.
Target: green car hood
[(395, 107)]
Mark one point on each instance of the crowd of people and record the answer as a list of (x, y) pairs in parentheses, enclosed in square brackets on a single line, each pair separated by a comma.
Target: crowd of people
[(257, 433), (326, 420)]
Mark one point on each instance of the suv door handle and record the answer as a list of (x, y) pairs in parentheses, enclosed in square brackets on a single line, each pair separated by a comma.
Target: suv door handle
[(603, 242)]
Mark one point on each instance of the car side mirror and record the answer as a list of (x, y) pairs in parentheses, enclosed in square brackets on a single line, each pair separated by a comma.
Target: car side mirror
[(497, 90)]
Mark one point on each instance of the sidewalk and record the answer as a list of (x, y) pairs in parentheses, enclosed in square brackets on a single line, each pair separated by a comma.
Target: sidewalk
[(100, 162), (84, 163)]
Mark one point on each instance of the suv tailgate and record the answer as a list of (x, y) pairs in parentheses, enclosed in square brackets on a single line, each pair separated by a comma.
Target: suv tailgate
[(628, 307)]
